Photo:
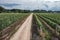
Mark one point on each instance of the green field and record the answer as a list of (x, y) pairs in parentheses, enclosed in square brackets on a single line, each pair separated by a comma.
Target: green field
[(53, 20), (48, 24), (7, 19)]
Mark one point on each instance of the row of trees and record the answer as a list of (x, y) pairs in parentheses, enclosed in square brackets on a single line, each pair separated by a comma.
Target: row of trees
[(13, 10), (26, 11)]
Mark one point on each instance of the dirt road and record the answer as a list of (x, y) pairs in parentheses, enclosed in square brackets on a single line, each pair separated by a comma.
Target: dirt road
[(24, 32)]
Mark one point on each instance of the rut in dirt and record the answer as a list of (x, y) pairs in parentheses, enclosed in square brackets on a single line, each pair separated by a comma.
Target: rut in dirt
[(34, 30)]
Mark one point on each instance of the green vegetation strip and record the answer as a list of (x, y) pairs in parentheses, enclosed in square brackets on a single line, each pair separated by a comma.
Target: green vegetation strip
[(47, 35), (38, 21), (53, 17), (50, 22)]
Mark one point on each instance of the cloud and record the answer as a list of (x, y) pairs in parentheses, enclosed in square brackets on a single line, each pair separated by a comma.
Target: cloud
[(31, 4), (9, 5), (52, 0)]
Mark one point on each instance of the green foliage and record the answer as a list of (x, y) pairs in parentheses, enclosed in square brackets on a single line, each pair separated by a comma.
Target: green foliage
[(7, 19), (38, 21), (52, 19), (49, 22), (47, 35)]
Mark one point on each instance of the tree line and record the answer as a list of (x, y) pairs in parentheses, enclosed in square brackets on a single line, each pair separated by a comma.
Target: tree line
[(25, 11)]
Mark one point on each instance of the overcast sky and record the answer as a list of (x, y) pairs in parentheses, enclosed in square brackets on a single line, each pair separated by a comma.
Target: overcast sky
[(31, 4)]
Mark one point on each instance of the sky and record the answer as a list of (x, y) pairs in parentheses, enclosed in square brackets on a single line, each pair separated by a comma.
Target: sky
[(31, 4)]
